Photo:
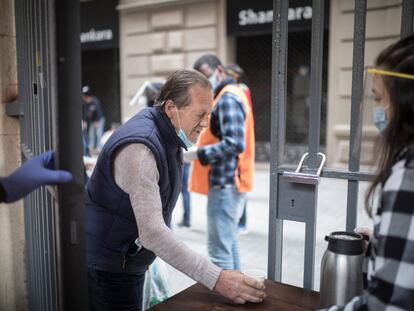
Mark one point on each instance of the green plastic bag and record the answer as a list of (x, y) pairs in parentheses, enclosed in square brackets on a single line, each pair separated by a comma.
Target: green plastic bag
[(156, 285)]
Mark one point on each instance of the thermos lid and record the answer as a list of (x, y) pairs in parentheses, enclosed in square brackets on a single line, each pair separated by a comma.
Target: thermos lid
[(346, 243)]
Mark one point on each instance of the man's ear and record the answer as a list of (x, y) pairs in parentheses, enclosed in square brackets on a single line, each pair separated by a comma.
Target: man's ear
[(169, 109)]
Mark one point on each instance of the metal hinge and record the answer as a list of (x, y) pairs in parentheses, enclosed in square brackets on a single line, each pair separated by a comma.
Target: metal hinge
[(14, 109)]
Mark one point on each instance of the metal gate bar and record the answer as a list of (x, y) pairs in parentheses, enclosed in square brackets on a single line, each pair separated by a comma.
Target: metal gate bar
[(356, 110), (407, 18), (277, 143), (278, 211), (72, 254), (332, 173), (316, 81), (50, 96), (318, 14), (36, 235)]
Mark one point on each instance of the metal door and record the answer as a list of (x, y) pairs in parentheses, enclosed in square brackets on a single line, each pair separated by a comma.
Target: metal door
[(48, 58), (298, 201)]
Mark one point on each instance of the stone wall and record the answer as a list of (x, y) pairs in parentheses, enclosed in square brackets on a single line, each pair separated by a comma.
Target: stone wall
[(12, 250), (159, 37)]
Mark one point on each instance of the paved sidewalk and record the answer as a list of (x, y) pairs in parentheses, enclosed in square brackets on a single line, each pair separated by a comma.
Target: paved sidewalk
[(254, 245)]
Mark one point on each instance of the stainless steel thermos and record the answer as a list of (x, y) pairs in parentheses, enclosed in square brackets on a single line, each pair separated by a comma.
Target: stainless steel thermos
[(341, 268)]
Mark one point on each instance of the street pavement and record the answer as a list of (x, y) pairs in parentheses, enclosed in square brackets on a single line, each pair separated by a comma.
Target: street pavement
[(331, 213)]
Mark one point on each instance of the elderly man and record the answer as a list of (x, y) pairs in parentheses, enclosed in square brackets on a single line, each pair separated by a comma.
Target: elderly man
[(131, 195)]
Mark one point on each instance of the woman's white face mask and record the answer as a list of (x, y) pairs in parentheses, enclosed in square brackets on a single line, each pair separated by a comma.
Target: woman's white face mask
[(214, 80), (376, 97), (380, 118)]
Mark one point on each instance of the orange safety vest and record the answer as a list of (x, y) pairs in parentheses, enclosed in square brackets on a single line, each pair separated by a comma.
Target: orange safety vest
[(244, 173)]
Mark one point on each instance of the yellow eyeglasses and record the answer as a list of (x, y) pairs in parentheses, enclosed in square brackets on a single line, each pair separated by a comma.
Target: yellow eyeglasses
[(390, 73)]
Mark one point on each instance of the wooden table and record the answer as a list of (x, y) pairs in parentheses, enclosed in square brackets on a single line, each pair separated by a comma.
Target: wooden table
[(280, 297)]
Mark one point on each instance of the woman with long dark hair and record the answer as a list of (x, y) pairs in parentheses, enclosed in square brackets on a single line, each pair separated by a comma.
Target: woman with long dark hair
[(391, 264)]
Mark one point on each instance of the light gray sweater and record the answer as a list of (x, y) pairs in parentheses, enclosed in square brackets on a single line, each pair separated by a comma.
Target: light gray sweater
[(136, 173)]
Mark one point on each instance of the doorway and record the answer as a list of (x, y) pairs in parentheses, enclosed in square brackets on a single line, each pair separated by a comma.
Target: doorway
[(100, 70), (254, 55)]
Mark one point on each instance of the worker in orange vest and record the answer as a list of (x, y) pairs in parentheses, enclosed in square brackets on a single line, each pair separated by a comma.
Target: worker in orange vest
[(224, 164)]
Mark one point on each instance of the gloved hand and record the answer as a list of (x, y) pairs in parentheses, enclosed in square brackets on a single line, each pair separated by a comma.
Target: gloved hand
[(34, 173), (190, 154)]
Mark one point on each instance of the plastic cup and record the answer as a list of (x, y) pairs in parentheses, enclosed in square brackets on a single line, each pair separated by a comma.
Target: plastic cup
[(258, 275)]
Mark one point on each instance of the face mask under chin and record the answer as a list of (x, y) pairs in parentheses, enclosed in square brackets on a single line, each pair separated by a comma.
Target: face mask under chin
[(181, 134)]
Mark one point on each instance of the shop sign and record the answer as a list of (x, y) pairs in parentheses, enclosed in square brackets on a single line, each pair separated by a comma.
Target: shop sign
[(245, 17), (96, 36), (99, 25), (251, 17)]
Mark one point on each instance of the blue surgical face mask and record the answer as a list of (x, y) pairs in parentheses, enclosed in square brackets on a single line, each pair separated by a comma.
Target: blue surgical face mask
[(214, 80), (181, 134), (380, 118)]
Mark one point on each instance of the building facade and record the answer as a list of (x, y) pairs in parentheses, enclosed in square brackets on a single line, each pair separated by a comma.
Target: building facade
[(159, 37)]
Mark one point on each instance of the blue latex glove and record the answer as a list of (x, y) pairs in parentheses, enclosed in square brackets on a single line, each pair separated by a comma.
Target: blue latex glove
[(34, 173)]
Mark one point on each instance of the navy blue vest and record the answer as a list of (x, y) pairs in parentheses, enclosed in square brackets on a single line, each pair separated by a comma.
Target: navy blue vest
[(110, 222)]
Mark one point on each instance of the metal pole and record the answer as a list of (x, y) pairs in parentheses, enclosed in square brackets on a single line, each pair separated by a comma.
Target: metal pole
[(310, 243), (278, 125), (69, 142), (407, 14), (318, 14), (316, 81), (356, 110)]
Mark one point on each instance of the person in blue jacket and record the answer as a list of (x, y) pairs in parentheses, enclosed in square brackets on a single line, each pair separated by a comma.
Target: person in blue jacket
[(34, 173)]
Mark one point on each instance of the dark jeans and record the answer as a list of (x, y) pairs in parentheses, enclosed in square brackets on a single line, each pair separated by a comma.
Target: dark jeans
[(186, 195), (115, 291)]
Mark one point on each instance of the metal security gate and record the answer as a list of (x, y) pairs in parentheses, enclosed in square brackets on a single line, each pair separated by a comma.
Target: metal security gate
[(294, 196), (48, 57)]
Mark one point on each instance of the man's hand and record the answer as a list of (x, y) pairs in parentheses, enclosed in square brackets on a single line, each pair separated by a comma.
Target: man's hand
[(190, 154), (239, 288)]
